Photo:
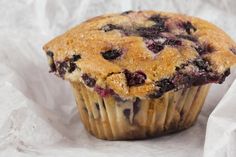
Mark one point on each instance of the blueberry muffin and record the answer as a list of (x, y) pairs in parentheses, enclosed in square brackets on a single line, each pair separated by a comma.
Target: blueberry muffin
[(140, 74)]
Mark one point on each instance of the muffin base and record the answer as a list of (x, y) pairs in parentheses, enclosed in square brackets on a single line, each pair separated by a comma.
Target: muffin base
[(110, 119)]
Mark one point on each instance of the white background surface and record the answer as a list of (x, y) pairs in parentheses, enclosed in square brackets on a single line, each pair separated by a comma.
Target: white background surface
[(38, 115)]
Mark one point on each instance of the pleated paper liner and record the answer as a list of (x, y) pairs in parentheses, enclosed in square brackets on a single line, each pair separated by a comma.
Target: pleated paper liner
[(107, 118)]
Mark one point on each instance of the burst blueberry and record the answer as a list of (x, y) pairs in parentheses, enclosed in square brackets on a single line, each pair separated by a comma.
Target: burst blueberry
[(155, 47), (159, 22), (135, 78)]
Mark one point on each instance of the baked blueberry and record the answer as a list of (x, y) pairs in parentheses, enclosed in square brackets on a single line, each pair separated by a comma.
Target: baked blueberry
[(155, 47), (111, 54), (159, 22), (75, 57), (189, 28), (135, 78), (89, 81)]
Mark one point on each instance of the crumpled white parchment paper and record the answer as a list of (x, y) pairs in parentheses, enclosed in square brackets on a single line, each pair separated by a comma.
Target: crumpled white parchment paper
[(38, 115)]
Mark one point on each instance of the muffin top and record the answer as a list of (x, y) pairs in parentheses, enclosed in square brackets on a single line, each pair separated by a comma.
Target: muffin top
[(142, 54)]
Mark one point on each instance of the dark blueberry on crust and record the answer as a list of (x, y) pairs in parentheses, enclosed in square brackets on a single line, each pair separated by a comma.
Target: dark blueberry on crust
[(159, 23), (75, 58), (62, 68), (165, 85), (50, 53), (126, 113), (233, 49), (51, 61), (110, 27), (204, 48), (111, 54), (187, 37), (135, 78), (103, 92), (189, 28), (155, 47), (136, 105), (97, 106), (226, 73), (197, 79), (72, 67), (90, 82), (173, 42), (127, 12), (202, 64), (156, 94)]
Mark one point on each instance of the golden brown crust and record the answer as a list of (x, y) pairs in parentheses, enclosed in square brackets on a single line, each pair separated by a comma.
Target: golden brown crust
[(89, 40)]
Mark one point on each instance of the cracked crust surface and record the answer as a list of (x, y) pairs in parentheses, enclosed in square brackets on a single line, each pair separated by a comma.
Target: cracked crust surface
[(152, 46)]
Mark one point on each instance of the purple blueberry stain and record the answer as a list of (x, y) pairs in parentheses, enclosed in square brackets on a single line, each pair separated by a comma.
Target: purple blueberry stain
[(103, 92), (89, 81), (135, 78), (111, 54)]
